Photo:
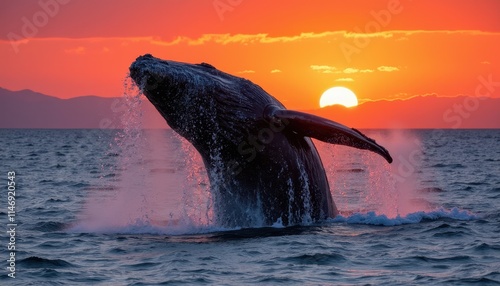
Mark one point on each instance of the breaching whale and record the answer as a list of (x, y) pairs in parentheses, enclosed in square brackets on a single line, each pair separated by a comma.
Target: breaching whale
[(261, 162)]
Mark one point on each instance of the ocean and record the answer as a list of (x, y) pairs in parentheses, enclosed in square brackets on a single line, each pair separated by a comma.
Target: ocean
[(133, 207)]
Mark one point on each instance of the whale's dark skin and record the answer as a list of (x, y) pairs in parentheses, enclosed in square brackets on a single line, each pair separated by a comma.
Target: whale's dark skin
[(262, 165)]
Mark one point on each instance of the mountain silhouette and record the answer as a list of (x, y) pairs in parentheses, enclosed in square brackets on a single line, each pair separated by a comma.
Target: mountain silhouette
[(461, 112), (29, 109)]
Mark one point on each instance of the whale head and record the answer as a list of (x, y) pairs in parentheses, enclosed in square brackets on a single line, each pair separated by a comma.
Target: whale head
[(169, 85), (198, 99)]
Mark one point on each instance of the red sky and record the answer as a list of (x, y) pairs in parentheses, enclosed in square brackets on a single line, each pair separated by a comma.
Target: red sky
[(295, 50)]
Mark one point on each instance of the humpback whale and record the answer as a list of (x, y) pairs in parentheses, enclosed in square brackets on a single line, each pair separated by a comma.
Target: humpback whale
[(261, 162)]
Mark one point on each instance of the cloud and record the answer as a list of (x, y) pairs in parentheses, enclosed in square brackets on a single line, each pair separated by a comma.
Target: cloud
[(76, 51), (350, 70), (247, 71), (387, 69), (485, 63), (345, 79), (324, 68), (331, 69), (402, 35), (384, 35), (254, 39), (225, 39), (355, 70), (276, 71)]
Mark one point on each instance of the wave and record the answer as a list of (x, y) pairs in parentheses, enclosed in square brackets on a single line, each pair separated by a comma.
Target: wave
[(371, 218), (455, 258), (149, 227), (431, 190), (179, 229), (316, 259), (38, 262), (451, 166), (49, 226)]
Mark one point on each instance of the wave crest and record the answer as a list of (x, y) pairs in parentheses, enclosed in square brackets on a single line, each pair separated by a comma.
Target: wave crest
[(371, 218)]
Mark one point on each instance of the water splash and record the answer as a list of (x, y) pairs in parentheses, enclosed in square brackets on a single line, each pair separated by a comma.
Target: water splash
[(104, 209), (161, 185), (197, 199), (159, 180), (362, 182)]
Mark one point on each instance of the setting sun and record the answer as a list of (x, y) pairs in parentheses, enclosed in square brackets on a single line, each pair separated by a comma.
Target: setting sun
[(338, 95)]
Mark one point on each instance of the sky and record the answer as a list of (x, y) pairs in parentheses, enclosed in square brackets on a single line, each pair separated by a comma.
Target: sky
[(295, 50)]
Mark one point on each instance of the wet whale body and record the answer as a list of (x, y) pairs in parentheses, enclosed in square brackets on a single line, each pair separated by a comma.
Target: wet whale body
[(261, 162)]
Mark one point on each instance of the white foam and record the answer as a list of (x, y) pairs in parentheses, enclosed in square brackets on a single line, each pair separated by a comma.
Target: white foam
[(371, 218)]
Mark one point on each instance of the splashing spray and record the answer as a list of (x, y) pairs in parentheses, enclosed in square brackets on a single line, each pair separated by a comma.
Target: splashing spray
[(361, 182), (160, 183)]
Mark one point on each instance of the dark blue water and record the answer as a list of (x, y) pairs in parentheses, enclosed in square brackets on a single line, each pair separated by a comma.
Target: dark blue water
[(133, 208)]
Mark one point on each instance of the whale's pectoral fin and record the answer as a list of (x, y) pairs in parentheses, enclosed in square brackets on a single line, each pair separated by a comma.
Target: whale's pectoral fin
[(325, 130)]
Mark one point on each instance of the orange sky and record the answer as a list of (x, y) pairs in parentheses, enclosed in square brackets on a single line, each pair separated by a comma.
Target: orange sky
[(294, 49)]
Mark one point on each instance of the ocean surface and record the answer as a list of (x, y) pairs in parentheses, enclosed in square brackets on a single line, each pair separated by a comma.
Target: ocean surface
[(132, 207)]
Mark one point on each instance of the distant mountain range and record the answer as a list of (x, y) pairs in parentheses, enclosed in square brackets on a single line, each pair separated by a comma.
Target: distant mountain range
[(29, 109), (460, 112)]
